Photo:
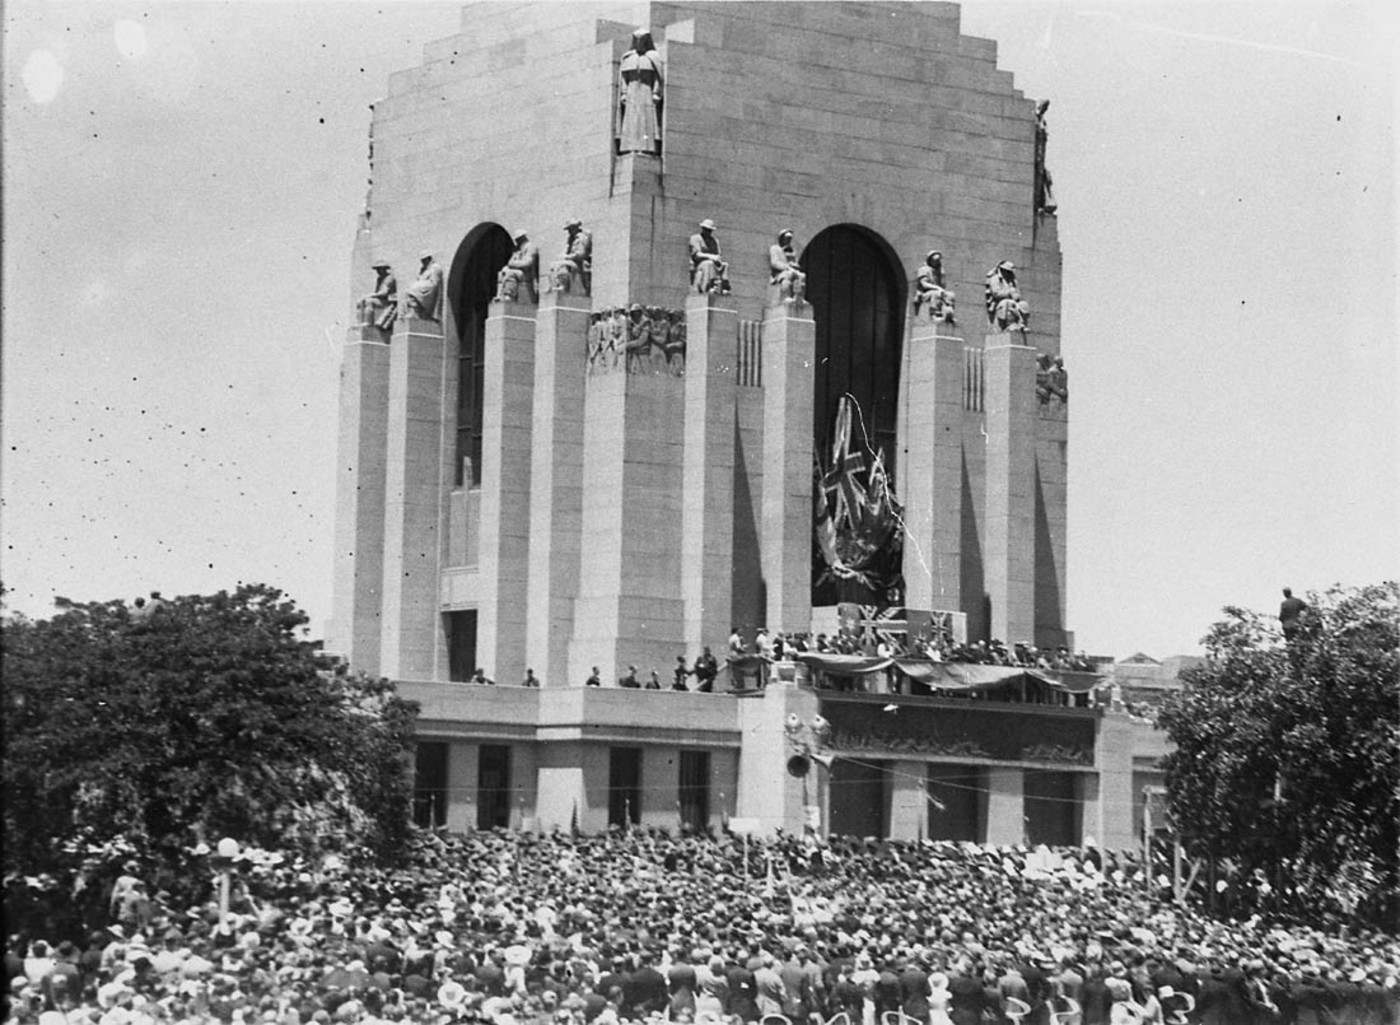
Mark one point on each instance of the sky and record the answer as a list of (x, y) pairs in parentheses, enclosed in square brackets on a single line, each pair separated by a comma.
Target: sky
[(180, 187)]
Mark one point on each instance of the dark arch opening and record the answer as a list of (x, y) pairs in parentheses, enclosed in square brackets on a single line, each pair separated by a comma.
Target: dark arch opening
[(470, 286), (857, 290)]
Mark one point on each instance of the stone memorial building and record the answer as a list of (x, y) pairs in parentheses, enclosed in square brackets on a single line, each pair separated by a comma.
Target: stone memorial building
[(676, 318)]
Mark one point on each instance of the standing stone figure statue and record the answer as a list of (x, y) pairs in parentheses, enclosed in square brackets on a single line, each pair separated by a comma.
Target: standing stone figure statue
[(577, 261), (930, 296), (381, 307), (523, 268), (708, 273), (423, 295), (640, 131), (1044, 195), (1006, 310), (786, 274)]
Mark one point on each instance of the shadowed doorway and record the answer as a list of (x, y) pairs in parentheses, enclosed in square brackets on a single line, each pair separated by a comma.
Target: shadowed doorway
[(857, 290), (470, 286)]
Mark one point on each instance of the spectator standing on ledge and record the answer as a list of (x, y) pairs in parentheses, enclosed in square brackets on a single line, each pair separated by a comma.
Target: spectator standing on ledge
[(630, 681), (530, 679), (679, 674), (1290, 614), (595, 680), (706, 669)]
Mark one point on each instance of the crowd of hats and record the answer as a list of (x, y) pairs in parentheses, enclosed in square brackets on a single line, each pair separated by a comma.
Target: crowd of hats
[(518, 928)]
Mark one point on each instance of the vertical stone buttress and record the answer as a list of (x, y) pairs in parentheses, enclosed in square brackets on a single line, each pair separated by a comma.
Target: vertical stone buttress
[(507, 410), (556, 484), (1010, 508), (931, 478), (413, 498), (789, 357), (707, 513), (359, 498)]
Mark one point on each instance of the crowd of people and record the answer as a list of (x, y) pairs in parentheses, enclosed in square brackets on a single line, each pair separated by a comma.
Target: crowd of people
[(937, 647), (645, 926), (700, 675)]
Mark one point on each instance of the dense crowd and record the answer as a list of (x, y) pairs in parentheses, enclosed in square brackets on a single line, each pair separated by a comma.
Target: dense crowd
[(558, 929)]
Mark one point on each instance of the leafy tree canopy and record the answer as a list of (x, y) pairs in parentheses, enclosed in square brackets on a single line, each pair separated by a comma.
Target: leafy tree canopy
[(194, 718), (1287, 755)]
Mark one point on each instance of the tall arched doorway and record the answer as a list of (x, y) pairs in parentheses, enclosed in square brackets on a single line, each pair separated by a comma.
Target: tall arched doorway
[(470, 286), (857, 291)]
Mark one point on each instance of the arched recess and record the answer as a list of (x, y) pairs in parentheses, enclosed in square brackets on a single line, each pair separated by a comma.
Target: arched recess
[(470, 285), (857, 289)]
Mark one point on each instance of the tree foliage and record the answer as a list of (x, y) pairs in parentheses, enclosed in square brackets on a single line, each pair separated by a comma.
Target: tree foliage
[(211, 716), (1287, 755)]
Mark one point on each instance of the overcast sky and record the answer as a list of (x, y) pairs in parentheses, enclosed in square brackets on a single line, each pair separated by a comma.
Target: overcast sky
[(180, 191)]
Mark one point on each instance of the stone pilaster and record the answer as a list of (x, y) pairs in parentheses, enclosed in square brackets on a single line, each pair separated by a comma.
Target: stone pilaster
[(930, 479), (767, 791), (556, 484), (908, 796), (507, 406), (1108, 815), (410, 632), (629, 608), (1006, 806), (359, 498), (707, 513), (1010, 511), (1051, 519), (789, 356)]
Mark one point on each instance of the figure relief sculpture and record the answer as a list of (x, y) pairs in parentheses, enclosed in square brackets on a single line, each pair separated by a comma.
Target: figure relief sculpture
[(638, 339), (640, 129), (424, 294), (708, 273), (675, 348), (577, 262), (1051, 379), (597, 336), (522, 270), (785, 273), (381, 307), (1006, 310), (617, 336), (1044, 194), (931, 298)]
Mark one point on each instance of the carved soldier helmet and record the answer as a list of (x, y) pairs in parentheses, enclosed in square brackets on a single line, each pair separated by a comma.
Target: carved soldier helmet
[(707, 224), (786, 233), (426, 254), (573, 222), (934, 256), (379, 265), (519, 236), (1006, 265)]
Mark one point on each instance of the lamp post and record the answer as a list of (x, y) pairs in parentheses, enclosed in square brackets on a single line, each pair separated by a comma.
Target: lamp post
[(808, 742), (224, 856)]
